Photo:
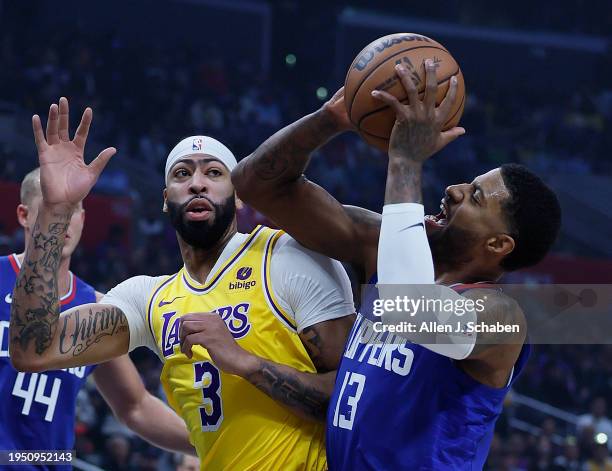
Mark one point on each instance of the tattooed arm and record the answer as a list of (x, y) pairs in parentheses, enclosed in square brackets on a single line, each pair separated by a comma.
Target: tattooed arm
[(40, 338), (271, 180), (306, 394)]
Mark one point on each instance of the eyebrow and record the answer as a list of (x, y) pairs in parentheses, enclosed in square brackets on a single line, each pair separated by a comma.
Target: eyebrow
[(192, 162)]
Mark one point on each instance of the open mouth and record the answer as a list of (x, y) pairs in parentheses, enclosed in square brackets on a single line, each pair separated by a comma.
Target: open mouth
[(198, 209), (440, 219)]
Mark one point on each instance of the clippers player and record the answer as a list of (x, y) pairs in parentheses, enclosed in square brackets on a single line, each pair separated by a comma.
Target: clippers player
[(413, 404), (250, 330), (37, 411)]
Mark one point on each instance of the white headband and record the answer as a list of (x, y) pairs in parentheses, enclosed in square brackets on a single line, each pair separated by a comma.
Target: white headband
[(200, 145)]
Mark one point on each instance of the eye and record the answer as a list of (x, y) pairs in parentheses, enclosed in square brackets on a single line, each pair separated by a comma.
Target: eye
[(181, 172), (213, 172), (474, 198)]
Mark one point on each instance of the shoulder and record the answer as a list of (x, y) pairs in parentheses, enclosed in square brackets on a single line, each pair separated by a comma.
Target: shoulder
[(309, 285), (9, 265), (140, 286), (144, 281), (289, 255), (501, 326), (496, 304)]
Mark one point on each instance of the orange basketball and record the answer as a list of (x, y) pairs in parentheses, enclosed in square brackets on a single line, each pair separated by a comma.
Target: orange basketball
[(374, 69)]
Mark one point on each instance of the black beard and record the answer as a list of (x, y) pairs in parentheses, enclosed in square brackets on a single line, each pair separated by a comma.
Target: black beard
[(450, 247), (202, 234)]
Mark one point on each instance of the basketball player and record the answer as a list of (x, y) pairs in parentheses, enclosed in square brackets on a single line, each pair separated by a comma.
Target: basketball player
[(250, 330), (398, 404), (37, 411)]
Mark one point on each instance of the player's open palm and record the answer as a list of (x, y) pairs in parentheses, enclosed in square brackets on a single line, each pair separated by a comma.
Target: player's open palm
[(64, 175)]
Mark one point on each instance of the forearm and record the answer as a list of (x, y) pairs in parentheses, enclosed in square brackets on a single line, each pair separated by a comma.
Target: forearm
[(35, 308), (155, 422), (306, 394), (284, 156), (406, 274)]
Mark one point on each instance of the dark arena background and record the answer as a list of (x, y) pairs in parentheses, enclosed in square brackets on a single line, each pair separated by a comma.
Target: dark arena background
[(538, 80)]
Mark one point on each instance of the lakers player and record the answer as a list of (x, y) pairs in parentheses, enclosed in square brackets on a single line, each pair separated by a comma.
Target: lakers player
[(401, 402), (255, 361)]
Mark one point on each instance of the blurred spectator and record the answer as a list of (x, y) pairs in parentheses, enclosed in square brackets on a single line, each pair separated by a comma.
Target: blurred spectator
[(6, 242), (600, 461), (570, 459), (117, 455), (597, 420)]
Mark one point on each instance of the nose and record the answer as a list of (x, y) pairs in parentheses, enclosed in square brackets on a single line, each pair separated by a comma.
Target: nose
[(198, 183), (455, 193)]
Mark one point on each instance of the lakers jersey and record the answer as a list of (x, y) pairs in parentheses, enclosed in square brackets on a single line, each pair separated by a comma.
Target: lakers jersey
[(232, 424)]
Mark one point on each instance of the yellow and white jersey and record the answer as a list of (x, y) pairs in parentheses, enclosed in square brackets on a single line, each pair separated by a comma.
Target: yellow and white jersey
[(232, 424)]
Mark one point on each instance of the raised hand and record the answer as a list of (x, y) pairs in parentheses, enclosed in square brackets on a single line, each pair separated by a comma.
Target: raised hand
[(417, 133), (65, 178)]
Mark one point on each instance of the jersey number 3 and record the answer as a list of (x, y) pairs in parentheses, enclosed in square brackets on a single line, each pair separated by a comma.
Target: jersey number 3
[(208, 379)]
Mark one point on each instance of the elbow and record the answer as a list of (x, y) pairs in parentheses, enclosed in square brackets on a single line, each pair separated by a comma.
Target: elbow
[(130, 415), (240, 179), (25, 364), (128, 419), (250, 187)]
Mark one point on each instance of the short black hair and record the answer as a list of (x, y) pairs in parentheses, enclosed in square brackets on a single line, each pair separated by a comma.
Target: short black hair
[(533, 214)]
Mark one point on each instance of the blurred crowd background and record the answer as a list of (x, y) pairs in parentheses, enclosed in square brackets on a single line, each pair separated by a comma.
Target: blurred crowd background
[(539, 88)]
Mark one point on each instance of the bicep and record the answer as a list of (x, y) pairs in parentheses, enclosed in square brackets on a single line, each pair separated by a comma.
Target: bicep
[(318, 221), (325, 342), (88, 334)]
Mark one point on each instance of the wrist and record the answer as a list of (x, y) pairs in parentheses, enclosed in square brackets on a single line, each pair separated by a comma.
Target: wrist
[(248, 365), (58, 209), (329, 122), (403, 163)]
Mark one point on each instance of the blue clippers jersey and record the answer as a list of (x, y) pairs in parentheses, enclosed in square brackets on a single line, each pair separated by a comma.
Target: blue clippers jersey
[(397, 405), (37, 410)]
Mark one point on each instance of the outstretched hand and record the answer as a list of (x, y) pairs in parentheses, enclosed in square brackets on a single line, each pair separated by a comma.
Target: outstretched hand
[(417, 133), (65, 178)]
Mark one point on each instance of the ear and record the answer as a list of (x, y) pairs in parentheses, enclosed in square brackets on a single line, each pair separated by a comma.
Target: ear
[(22, 215), (165, 195), (501, 244), (239, 203)]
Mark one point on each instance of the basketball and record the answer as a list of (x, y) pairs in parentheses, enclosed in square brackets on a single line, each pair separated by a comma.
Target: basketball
[(374, 69)]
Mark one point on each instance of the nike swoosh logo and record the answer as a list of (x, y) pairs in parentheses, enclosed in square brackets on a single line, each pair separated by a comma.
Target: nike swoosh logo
[(163, 303), (8, 299), (414, 225)]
